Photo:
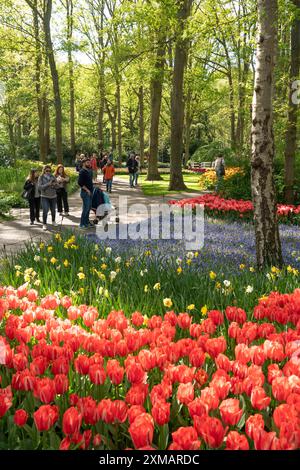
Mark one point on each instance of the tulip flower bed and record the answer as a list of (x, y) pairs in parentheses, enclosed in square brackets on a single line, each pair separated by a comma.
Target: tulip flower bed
[(70, 379), (237, 209)]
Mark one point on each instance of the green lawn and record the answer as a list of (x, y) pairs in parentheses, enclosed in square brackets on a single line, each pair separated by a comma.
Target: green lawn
[(160, 188)]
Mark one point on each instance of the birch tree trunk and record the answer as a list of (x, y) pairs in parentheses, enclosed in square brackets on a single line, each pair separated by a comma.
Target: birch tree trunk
[(268, 247), (291, 130)]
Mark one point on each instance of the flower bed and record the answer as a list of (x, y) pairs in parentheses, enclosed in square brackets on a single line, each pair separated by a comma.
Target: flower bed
[(70, 379), (217, 206), (207, 181)]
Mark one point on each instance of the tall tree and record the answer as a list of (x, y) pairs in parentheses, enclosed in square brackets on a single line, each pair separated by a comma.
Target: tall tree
[(291, 130), (268, 246), (38, 84), (177, 102), (69, 7), (156, 87)]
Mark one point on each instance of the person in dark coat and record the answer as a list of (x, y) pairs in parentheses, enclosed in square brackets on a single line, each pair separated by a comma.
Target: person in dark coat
[(33, 196)]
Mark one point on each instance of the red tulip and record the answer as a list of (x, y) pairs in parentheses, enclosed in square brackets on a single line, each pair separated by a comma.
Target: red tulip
[(71, 421), (186, 438), (45, 417), (20, 417), (161, 412), (141, 430), (236, 441), (259, 399), (210, 429), (230, 411), (185, 393)]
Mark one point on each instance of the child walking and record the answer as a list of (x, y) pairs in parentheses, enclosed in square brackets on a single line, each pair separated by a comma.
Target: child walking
[(109, 171)]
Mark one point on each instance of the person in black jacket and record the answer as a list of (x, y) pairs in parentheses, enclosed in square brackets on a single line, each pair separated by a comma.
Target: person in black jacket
[(33, 196), (85, 181), (132, 166)]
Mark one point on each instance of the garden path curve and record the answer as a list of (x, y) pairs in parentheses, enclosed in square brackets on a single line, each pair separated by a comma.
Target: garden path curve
[(15, 233)]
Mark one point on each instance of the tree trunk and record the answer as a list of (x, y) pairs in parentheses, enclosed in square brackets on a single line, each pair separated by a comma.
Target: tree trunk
[(188, 123), (291, 130), (39, 98), (268, 247), (55, 81), (141, 125), (69, 5), (119, 117), (177, 102), (232, 109), (156, 94), (112, 114), (47, 126)]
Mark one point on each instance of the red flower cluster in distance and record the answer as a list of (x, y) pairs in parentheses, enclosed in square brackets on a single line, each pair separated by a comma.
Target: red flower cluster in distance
[(229, 381), (243, 209)]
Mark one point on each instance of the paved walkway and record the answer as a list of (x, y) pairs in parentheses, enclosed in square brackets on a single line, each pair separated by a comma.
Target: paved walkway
[(15, 233)]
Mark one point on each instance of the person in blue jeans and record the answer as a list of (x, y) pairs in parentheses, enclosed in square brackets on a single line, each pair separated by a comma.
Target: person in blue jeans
[(85, 181)]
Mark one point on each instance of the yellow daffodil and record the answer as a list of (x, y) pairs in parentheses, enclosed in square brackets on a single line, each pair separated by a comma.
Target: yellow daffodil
[(146, 289), (106, 293), (204, 310), (50, 249), (167, 302), (37, 283), (148, 253), (242, 266), (191, 307), (251, 269), (42, 246), (189, 262), (81, 290), (81, 276), (218, 285), (275, 270), (18, 273), (58, 237), (103, 266), (146, 319), (212, 275), (80, 269), (66, 263), (196, 254), (53, 260), (179, 270), (156, 286), (18, 268)]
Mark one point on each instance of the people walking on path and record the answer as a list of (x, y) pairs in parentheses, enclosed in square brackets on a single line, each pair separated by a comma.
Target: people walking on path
[(62, 195), (47, 185), (33, 196), (219, 166), (138, 170), (85, 181), (108, 172), (132, 166)]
